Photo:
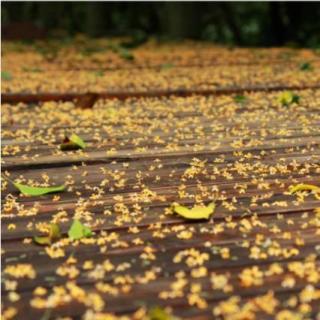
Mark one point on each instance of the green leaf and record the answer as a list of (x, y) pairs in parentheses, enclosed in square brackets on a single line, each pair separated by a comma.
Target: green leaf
[(37, 191), (239, 98), (306, 66), (287, 97), (73, 142), (158, 313), (77, 140), (54, 234), (197, 212), (43, 241), (78, 231), (5, 75)]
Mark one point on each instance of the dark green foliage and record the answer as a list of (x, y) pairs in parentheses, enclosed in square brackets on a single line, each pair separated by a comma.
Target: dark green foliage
[(232, 23)]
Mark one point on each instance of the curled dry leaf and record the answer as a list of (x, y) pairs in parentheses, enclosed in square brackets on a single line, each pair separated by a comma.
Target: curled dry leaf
[(87, 100), (54, 235)]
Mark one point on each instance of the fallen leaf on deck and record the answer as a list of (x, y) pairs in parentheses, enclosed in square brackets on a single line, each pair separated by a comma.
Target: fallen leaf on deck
[(6, 75), (37, 191), (287, 97), (305, 187), (158, 313), (78, 231), (54, 234), (73, 142), (197, 212), (239, 99), (86, 101)]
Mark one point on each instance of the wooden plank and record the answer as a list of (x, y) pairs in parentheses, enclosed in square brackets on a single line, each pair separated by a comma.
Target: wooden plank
[(41, 97), (248, 157)]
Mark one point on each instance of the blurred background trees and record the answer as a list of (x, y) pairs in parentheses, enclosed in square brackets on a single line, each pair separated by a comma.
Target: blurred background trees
[(231, 23)]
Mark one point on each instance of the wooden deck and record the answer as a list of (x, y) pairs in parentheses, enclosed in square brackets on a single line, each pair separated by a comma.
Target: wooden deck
[(257, 257)]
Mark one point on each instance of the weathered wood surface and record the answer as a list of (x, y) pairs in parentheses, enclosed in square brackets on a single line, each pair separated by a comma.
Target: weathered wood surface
[(247, 156), (145, 82)]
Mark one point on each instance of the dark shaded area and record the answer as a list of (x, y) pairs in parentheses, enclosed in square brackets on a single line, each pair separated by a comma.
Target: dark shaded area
[(232, 23)]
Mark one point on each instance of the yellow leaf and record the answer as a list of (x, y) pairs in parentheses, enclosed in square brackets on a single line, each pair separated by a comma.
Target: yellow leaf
[(197, 212), (54, 234), (305, 187), (287, 97)]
